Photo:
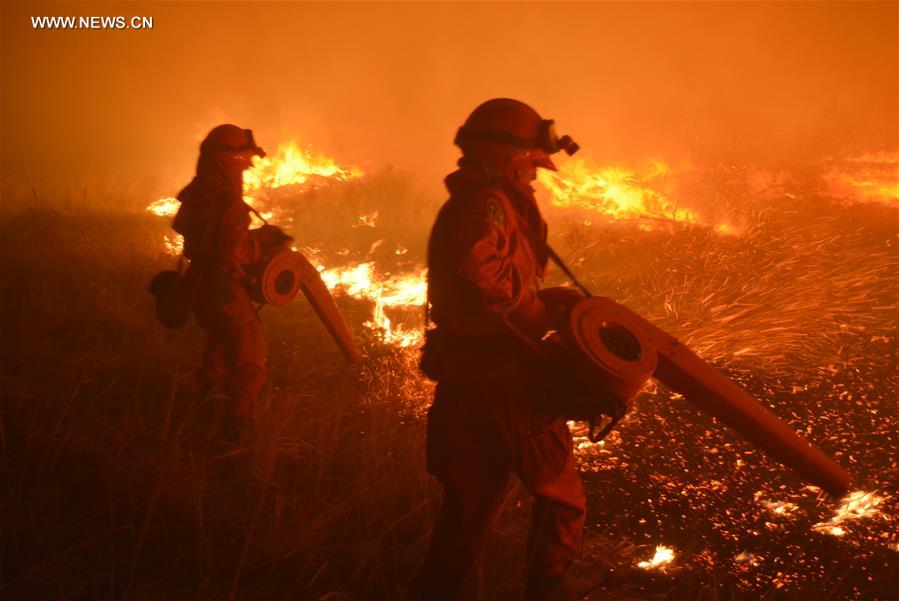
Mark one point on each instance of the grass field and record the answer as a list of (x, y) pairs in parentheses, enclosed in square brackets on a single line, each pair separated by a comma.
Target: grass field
[(109, 490)]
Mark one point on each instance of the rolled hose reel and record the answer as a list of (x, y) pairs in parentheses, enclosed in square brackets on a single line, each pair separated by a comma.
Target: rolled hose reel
[(281, 277), (277, 281), (612, 347), (614, 351)]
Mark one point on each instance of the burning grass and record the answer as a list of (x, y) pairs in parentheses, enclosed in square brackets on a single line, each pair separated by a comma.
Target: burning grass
[(110, 491)]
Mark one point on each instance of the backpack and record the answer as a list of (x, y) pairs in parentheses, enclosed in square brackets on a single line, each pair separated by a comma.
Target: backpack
[(174, 293)]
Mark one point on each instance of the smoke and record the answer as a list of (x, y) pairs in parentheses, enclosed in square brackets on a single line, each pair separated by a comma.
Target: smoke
[(374, 84)]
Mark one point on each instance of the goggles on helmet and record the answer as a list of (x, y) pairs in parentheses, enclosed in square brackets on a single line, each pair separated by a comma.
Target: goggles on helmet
[(547, 140), (249, 146)]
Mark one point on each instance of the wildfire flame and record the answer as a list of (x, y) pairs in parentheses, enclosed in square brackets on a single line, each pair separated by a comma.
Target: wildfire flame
[(405, 290), (294, 166), (663, 556), (615, 191), (291, 166), (164, 207), (787, 264), (872, 177)]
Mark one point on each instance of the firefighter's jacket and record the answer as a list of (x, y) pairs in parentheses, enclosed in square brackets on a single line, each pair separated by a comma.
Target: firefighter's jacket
[(214, 221), (486, 257)]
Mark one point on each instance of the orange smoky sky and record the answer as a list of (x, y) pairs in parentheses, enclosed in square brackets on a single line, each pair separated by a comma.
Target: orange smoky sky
[(376, 84)]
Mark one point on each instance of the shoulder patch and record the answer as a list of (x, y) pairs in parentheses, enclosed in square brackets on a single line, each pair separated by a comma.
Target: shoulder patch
[(495, 212)]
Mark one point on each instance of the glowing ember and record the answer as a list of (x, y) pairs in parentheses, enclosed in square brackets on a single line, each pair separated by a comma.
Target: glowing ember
[(663, 556), (174, 244), (616, 192), (828, 529), (854, 506), (778, 508), (369, 219), (727, 229)]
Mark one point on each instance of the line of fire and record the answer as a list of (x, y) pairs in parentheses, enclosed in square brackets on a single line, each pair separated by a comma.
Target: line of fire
[(324, 305)]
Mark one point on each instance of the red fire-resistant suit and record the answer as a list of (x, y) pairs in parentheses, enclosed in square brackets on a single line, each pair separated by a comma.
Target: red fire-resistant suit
[(485, 260), (214, 221)]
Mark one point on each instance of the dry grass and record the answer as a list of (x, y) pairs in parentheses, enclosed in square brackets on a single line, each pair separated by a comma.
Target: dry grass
[(110, 490)]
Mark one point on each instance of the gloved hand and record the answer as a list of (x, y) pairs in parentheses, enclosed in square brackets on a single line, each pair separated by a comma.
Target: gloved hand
[(530, 319), (558, 386), (558, 302), (270, 237)]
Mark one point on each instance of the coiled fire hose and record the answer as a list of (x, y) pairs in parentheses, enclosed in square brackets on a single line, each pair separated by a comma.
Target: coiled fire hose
[(617, 349)]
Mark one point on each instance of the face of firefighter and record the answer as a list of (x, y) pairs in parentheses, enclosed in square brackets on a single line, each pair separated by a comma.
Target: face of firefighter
[(522, 170), (237, 161)]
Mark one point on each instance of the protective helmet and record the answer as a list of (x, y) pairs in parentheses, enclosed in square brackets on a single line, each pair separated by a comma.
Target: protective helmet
[(502, 129), (230, 138)]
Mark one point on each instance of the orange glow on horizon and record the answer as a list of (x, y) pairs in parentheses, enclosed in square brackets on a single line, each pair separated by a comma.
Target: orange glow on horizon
[(872, 177)]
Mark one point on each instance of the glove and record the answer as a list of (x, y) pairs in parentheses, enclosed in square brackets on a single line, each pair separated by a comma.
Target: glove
[(558, 302), (530, 319), (270, 237)]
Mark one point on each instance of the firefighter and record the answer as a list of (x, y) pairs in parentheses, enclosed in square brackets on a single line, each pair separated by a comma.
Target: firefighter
[(215, 223), (486, 256)]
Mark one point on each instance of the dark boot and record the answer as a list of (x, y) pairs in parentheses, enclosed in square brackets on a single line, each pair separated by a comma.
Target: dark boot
[(548, 588)]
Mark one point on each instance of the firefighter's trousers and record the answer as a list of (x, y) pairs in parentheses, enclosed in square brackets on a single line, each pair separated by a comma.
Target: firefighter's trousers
[(479, 434), (234, 357)]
